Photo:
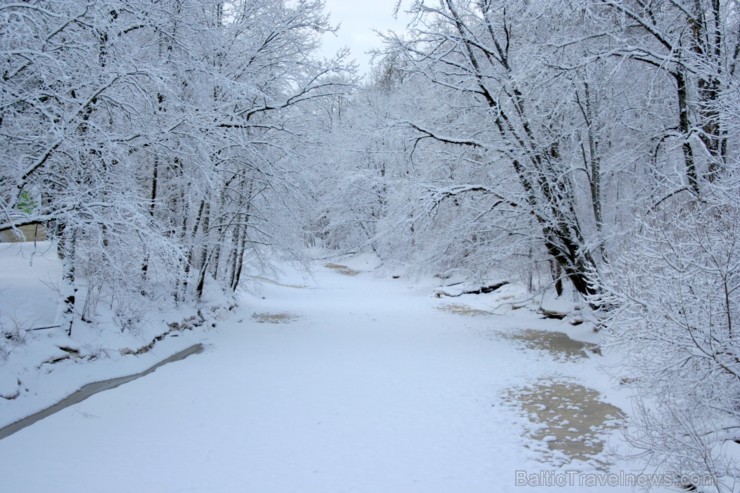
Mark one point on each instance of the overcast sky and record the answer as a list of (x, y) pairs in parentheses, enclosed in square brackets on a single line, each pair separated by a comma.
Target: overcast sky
[(358, 18)]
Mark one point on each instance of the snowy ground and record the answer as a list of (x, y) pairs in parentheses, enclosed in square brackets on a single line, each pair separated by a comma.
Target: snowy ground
[(345, 382), (40, 367)]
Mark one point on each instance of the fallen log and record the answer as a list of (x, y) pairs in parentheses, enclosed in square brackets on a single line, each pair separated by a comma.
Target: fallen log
[(482, 290), (554, 314)]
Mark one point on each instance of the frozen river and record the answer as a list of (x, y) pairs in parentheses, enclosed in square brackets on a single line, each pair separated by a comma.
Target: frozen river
[(344, 383)]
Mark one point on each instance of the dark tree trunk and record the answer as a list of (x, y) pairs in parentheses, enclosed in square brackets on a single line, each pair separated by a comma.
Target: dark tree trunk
[(69, 292), (684, 127)]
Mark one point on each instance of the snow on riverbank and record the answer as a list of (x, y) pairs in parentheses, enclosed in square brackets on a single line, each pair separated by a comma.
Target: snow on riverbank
[(40, 364), (345, 382)]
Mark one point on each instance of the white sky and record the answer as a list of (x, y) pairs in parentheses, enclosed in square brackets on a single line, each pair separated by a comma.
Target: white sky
[(358, 18)]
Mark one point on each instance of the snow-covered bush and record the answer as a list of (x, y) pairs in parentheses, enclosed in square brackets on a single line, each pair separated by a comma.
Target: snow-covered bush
[(678, 293)]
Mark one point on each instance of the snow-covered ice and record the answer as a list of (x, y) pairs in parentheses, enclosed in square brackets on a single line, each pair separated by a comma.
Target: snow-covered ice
[(365, 386)]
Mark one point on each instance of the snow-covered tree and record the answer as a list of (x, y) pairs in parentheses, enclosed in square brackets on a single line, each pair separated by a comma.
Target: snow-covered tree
[(675, 284), (496, 69), (601, 136), (149, 132)]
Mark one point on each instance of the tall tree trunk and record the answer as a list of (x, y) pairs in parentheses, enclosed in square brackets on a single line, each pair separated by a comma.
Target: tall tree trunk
[(239, 252), (708, 43), (69, 289), (217, 248), (204, 220), (240, 235), (592, 161), (684, 127), (152, 205), (181, 290)]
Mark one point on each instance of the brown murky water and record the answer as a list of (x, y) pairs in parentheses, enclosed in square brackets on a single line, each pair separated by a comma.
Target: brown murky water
[(460, 309), (570, 418), (558, 344), (274, 318), (342, 269)]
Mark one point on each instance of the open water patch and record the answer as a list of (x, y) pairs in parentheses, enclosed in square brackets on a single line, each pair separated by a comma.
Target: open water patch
[(570, 421), (91, 389), (461, 309), (558, 344), (342, 269)]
